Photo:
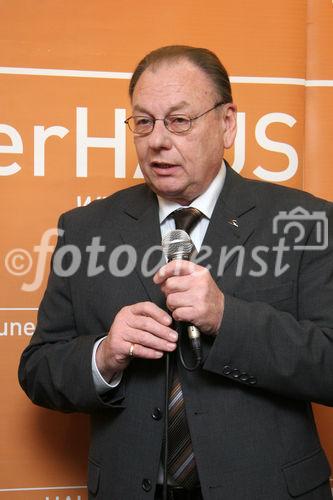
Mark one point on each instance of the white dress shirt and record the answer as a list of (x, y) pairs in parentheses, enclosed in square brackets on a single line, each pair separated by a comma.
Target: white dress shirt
[(205, 203)]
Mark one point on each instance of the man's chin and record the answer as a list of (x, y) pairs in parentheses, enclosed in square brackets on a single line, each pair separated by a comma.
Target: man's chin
[(176, 195)]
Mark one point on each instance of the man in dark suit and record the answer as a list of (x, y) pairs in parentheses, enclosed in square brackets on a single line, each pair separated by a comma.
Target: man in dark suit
[(261, 293)]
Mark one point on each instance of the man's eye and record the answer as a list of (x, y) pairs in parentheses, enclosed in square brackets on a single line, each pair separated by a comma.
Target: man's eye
[(142, 120), (178, 120)]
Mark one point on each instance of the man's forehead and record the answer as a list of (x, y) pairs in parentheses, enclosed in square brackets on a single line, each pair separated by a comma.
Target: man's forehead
[(172, 108), (179, 84)]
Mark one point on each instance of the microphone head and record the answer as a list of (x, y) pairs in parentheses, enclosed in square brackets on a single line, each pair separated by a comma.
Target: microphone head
[(177, 244)]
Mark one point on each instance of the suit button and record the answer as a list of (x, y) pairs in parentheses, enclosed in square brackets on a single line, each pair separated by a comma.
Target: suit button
[(235, 373), (244, 377), (156, 414), (146, 484), (227, 370), (252, 380)]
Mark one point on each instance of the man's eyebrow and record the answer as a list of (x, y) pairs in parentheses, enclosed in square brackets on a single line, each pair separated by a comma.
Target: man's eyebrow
[(176, 107)]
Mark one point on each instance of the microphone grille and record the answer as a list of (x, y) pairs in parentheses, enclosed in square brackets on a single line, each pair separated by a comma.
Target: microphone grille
[(177, 244)]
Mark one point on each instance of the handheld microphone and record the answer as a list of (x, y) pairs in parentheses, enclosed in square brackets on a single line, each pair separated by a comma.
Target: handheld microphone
[(176, 245)]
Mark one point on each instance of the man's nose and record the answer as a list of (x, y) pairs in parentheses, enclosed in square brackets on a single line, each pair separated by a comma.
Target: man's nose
[(160, 137)]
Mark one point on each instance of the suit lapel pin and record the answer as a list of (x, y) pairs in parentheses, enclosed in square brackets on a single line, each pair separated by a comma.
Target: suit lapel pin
[(233, 222)]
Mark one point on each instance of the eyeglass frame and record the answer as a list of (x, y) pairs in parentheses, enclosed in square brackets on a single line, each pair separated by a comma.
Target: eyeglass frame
[(164, 120)]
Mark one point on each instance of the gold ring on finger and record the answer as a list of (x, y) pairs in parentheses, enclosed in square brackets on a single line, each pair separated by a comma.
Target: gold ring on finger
[(131, 351)]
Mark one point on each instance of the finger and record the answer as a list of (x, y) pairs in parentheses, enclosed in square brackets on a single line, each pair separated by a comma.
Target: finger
[(140, 351), (150, 341), (174, 268), (176, 284), (186, 314), (151, 326), (180, 299), (152, 310)]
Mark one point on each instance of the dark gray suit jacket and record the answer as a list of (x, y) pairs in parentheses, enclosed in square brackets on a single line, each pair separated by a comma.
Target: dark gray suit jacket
[(248, 407)]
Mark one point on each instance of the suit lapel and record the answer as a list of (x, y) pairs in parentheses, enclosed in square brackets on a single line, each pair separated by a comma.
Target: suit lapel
[(141, 230), (232, 223)]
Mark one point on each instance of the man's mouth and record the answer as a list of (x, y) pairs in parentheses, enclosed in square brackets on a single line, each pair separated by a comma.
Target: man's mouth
[(162, 165)]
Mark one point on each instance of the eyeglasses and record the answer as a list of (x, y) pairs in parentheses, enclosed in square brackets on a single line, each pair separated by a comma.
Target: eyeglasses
[(177, 124)]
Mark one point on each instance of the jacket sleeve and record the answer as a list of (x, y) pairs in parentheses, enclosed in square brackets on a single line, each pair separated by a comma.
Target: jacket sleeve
[(263, 347), (55, 369)]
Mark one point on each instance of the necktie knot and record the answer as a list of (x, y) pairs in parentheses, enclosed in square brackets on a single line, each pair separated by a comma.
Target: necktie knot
[(186, 218)]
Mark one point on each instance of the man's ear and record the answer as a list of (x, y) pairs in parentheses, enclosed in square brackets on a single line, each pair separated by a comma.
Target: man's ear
[(230, 124)]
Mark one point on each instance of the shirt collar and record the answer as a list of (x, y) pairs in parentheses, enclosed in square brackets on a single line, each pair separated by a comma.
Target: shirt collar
[(205, 202)]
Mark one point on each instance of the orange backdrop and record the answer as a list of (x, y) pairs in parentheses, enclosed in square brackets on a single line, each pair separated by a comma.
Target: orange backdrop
[(63, 98)]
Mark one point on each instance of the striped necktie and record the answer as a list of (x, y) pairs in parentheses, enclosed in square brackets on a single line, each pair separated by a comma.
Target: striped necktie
[(181, 461)]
